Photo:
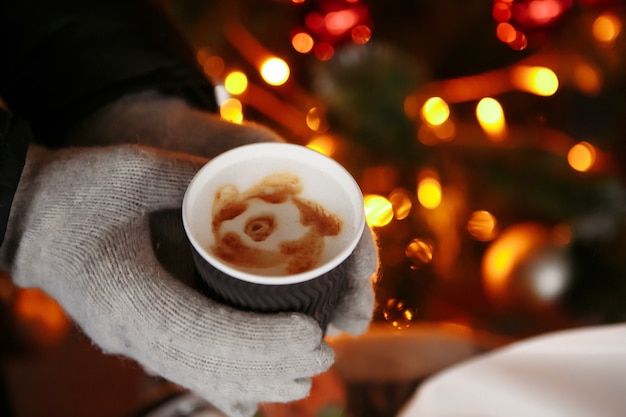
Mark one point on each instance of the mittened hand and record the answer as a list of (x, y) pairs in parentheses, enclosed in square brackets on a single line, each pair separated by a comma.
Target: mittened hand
[(79, 229), (86, 225), (354, 312), (153, 119)]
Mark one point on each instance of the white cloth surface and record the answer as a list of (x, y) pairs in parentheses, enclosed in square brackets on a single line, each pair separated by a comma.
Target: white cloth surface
[(572, 373)]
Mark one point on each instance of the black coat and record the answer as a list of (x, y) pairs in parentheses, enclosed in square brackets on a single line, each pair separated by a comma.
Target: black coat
[(63, 59)]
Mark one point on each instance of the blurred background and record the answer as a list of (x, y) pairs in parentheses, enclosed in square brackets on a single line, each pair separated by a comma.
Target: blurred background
[(489, 140)]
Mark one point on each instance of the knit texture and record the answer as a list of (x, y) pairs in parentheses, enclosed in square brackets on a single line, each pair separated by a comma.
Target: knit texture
[(80, 230)]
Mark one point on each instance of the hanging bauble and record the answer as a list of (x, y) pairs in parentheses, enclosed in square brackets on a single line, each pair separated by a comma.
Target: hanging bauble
[(526, 268)]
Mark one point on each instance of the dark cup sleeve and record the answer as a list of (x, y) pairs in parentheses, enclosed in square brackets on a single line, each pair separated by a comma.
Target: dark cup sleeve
[(316, 297)]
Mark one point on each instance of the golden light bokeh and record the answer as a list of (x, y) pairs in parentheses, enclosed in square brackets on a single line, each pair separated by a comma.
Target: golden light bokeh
[(398, 314), (429, 192), (232, 110), (490, 116), (401, 202), (378, 210), (275, 71), (435, 111), (482, 225), (419, 252), (581, 156), (302, 42), (315, 119), (606, 28), (324, 144), (236, 82), (538, 80)]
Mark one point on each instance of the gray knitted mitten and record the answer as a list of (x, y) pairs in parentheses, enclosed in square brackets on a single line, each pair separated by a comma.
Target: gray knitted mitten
[(79, 229), (150, 118)]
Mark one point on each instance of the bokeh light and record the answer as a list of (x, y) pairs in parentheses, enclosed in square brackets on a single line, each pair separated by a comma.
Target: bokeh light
[(361, 34), (314, 21), (520, 42), (581, 156), (490, 116), (541, 12), (315, 119), (398, 313), (213, 66), (324, 144), (401, 202), (537, 80), (302, 42), (419, 252), (587, 79), (482, 225), (324, 51), (506, 32), (501, 11), (236, 82), (340, 21), (429, 192), (435, 111), (232, 110), (42, 313), (378, 210), (275, 71), (606, 28)]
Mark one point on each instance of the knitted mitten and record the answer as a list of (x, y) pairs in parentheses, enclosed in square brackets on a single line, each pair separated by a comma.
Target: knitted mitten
[(151, 118), (79, 229)]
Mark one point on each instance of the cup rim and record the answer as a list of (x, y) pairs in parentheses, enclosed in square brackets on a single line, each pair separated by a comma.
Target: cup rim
[(221, 161)]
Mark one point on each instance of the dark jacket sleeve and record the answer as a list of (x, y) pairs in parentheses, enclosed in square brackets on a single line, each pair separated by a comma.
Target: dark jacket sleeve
[(63, 59), (14, 138)]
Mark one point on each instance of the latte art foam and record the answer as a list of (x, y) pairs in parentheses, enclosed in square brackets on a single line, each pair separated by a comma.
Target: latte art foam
[(297, 255)]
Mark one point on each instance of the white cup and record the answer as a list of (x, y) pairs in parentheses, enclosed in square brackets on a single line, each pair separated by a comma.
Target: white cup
[(274, 222)]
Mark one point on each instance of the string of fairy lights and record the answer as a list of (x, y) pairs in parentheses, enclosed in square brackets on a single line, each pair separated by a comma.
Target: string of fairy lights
[(432, 107), (434, 111)]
